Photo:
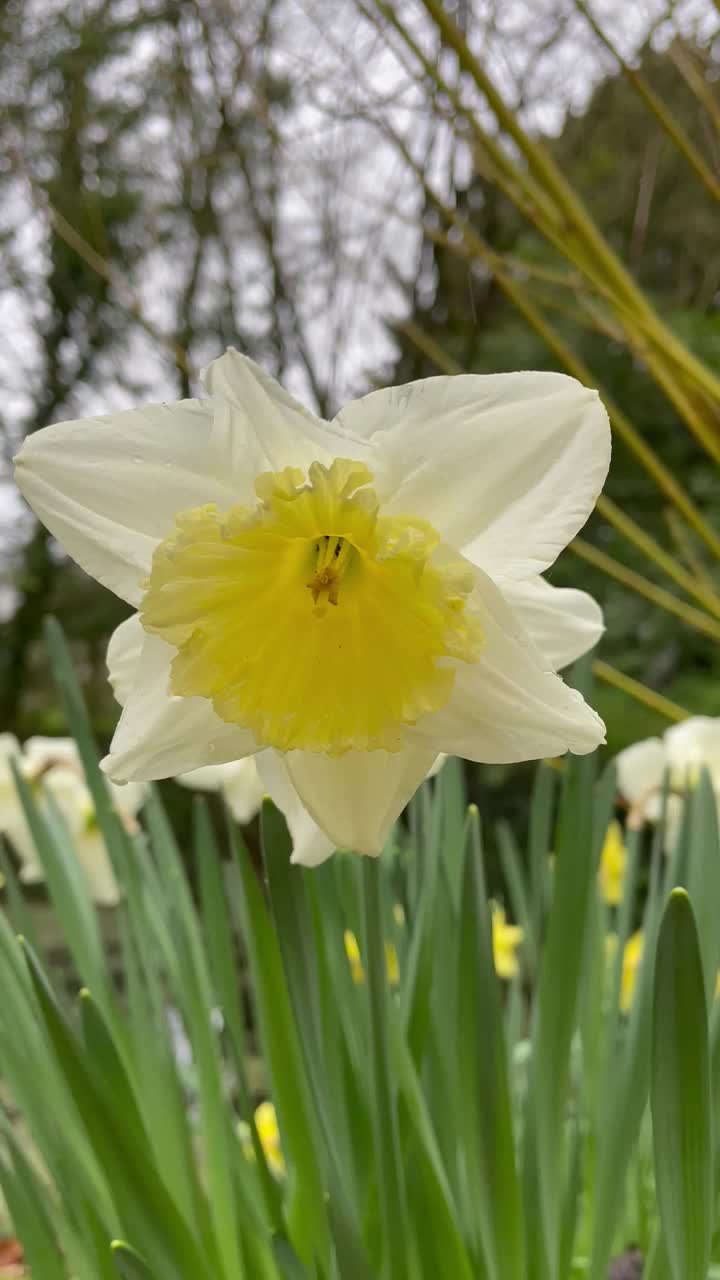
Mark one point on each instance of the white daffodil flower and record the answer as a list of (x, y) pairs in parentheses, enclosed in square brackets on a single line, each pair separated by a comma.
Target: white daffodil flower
[(682, 752), (352, 597), (12, 819), (53, 766)]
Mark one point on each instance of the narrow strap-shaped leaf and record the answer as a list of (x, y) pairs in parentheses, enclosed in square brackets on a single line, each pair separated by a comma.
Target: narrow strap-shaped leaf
[(141, 1197), (296, 941), (487, 1138), (703, 873), (680, 1094), (66, 883), (391, 1182), (128, 1263), (103, 1053), (26, 1200), (290, 1087), (559, 988)]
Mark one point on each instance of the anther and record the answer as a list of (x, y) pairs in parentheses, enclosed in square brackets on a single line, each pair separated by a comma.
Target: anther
[(332, 554)]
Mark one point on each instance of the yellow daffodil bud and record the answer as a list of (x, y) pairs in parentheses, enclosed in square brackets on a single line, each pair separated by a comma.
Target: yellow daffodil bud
[(506, 939), (269, 1135), (613, 865), (352, 951), (632, 955)]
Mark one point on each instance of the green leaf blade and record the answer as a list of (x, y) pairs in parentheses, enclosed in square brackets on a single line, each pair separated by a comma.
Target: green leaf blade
[(680, 1094)]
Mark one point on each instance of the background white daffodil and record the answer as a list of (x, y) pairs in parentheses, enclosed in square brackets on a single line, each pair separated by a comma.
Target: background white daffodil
[(682, 752), (52, 766), (347, 599), (239, 782)]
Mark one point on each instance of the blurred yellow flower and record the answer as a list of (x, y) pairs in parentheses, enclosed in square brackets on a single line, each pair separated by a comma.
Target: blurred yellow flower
[(506, 939), (352, 951), (613, 863), (269, 1135), (391, 964), (632, 956)]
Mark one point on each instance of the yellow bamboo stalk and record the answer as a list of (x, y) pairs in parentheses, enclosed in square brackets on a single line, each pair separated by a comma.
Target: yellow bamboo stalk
[(664, 117), (518, 184), (640, 692), (581, 235), (695, 584), (549, 175), (637, 330), (624, 524), (662, 476), (665, 600), (493, 162), (694, 79), (681, 535)]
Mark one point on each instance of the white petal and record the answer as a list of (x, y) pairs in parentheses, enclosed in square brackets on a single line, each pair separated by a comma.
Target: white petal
[(508, 706), (109, 488), (127, 798), (563, 623), (238, 780), (310, 845), (9, 750), (9, 746), (355, 798), (260, 427), (209, 778), (244, 789), (695, 741), (160, 735), (640, 768), (673, 822), (123, 656), (506, 466)]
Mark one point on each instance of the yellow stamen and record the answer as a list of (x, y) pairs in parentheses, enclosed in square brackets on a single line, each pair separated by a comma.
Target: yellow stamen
[(332, 558), (244, 598)]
